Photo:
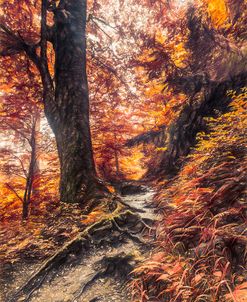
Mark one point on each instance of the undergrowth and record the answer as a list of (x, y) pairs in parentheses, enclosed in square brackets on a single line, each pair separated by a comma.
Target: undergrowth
[(201, 239), (26, 244)]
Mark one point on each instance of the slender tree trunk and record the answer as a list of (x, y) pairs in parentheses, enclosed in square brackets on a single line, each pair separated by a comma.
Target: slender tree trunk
[(116, 163), (30, 176), (70, 121), (36, 171), (116, 158)]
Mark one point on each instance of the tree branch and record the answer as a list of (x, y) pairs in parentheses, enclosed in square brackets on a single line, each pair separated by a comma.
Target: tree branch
[(17, 130), (12, 43), (13, 190), (22, 166), (114, 72)]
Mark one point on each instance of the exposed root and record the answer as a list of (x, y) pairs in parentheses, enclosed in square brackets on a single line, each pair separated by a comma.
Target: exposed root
[(129, 234), (126, 223), (90, 280), (119, 265), (130, 207)]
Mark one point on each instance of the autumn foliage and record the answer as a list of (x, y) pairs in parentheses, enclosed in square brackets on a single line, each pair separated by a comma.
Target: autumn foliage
[(167, 106), (201, 238)]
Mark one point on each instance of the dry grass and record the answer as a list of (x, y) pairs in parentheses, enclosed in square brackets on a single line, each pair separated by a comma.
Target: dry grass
[(201, 243)]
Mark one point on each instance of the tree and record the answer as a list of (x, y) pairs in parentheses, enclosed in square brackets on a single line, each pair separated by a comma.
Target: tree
[(20, 119), (198, 57), (21, 164), (66, 101)]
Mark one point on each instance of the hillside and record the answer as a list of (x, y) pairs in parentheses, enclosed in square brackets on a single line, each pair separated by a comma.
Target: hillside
[(201, 240)]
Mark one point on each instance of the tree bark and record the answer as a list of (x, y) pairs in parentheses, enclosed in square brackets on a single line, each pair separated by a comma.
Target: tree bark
[(70, 121), (66, 102)]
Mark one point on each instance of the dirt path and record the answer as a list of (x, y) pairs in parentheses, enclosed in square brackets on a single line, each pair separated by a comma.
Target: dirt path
[(100, 272)]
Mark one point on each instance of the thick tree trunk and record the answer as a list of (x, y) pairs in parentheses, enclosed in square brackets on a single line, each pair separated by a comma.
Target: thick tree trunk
[(66, 103), (70, 119)]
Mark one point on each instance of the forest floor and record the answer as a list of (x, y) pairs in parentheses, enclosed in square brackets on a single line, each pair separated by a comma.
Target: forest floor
[(95, 266)]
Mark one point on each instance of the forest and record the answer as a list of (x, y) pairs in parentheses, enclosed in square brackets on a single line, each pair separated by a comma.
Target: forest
[(123, 151)]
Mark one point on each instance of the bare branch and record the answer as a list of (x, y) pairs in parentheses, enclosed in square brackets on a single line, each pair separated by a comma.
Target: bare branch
[(11, 44), (114, 72), (22, 166), (13, 190), (18, 131)]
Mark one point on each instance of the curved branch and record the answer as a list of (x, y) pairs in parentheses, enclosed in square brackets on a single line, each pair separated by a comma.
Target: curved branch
[(12, 43), (14, 191)]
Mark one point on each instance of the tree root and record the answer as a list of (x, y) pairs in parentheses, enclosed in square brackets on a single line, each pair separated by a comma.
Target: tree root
[(119, 264), (130, 207), (124, 223), (86, 285), (129, 234)]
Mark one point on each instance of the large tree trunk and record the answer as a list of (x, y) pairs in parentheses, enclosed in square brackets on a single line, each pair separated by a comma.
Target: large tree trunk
[(66, 103), (70, 120)]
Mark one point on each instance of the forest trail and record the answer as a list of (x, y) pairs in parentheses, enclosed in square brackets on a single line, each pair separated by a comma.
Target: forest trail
[(101, 272)]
